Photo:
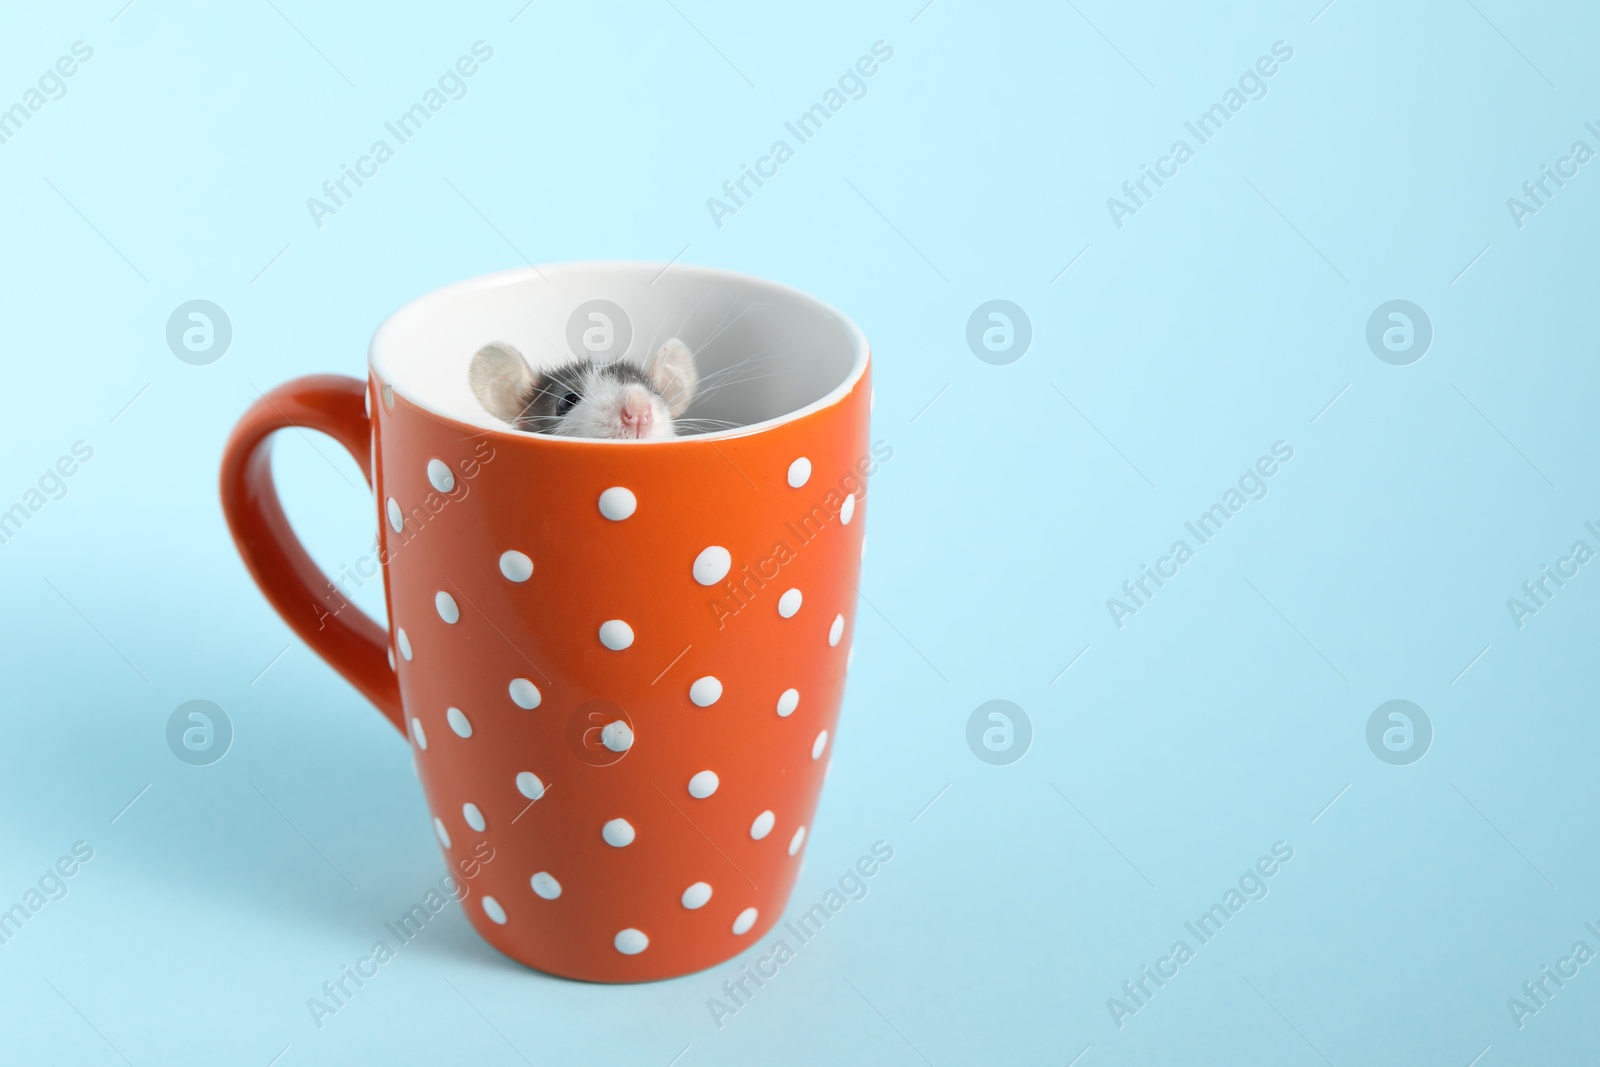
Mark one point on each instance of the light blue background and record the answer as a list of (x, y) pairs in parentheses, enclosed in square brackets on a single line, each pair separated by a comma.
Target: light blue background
[(1221, 318)]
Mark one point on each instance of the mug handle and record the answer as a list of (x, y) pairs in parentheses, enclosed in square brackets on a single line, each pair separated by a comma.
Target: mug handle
[(352, 643)]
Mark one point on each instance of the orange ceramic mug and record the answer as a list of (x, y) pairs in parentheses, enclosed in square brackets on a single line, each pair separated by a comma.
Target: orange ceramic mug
[(619, 663)]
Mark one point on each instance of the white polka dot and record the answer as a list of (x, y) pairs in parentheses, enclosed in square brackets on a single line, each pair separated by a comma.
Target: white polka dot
[(388, 396), (525, 693), (703, 784), (746, 919), (391, 658), (396, 523), (696, 895), (616, 634), (445, 605), (789, 603), (819, 745), (763, 825), (443, 834), (439, 475), (473, 816), (417, 732), (797, 840), (492, 908), (528, 785), (618, 503), (836, 631), (706, 691), (712, 565), (617, 736), (847, 510), (404, 642), (788, 702), (631, 942), (618, 833), (516, 566), (799, 472), (545, 885), (458, 722)]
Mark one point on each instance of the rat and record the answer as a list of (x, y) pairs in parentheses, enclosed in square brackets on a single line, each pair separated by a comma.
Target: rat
[(581, 398)]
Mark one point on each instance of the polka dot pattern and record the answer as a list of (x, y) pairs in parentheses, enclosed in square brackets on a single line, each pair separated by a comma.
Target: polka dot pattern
[(440, 476), (516, 566), (524, 693), (618, 503), (496, 712), (616, 634), (712, 565), (617, 736), (445, 605), (705, 691)]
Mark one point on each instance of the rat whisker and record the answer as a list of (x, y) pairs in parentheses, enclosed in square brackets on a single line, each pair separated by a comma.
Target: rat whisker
[(717, 387)]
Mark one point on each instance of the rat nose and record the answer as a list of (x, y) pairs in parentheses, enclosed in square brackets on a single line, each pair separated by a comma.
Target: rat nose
[(636, 414)]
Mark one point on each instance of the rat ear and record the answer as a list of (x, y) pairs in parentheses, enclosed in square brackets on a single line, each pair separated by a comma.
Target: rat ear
[(501, 380), (672, 371)]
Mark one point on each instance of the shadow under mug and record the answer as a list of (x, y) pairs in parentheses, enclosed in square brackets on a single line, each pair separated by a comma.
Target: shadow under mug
[(619, 663)]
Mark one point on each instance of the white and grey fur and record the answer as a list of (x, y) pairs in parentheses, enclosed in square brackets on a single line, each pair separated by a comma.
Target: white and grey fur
[(584, 399)]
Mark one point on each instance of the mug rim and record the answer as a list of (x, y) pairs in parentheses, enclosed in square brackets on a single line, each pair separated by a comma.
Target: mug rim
[(861, 356)]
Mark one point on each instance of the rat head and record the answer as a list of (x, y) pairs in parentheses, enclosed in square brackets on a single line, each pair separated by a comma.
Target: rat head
[(584, 399)]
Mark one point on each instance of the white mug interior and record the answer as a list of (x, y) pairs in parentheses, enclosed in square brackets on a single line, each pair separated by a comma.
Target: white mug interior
[(765, 353)]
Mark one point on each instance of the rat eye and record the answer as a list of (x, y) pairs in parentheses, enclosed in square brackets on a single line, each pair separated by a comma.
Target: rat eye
[(568, 401)]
